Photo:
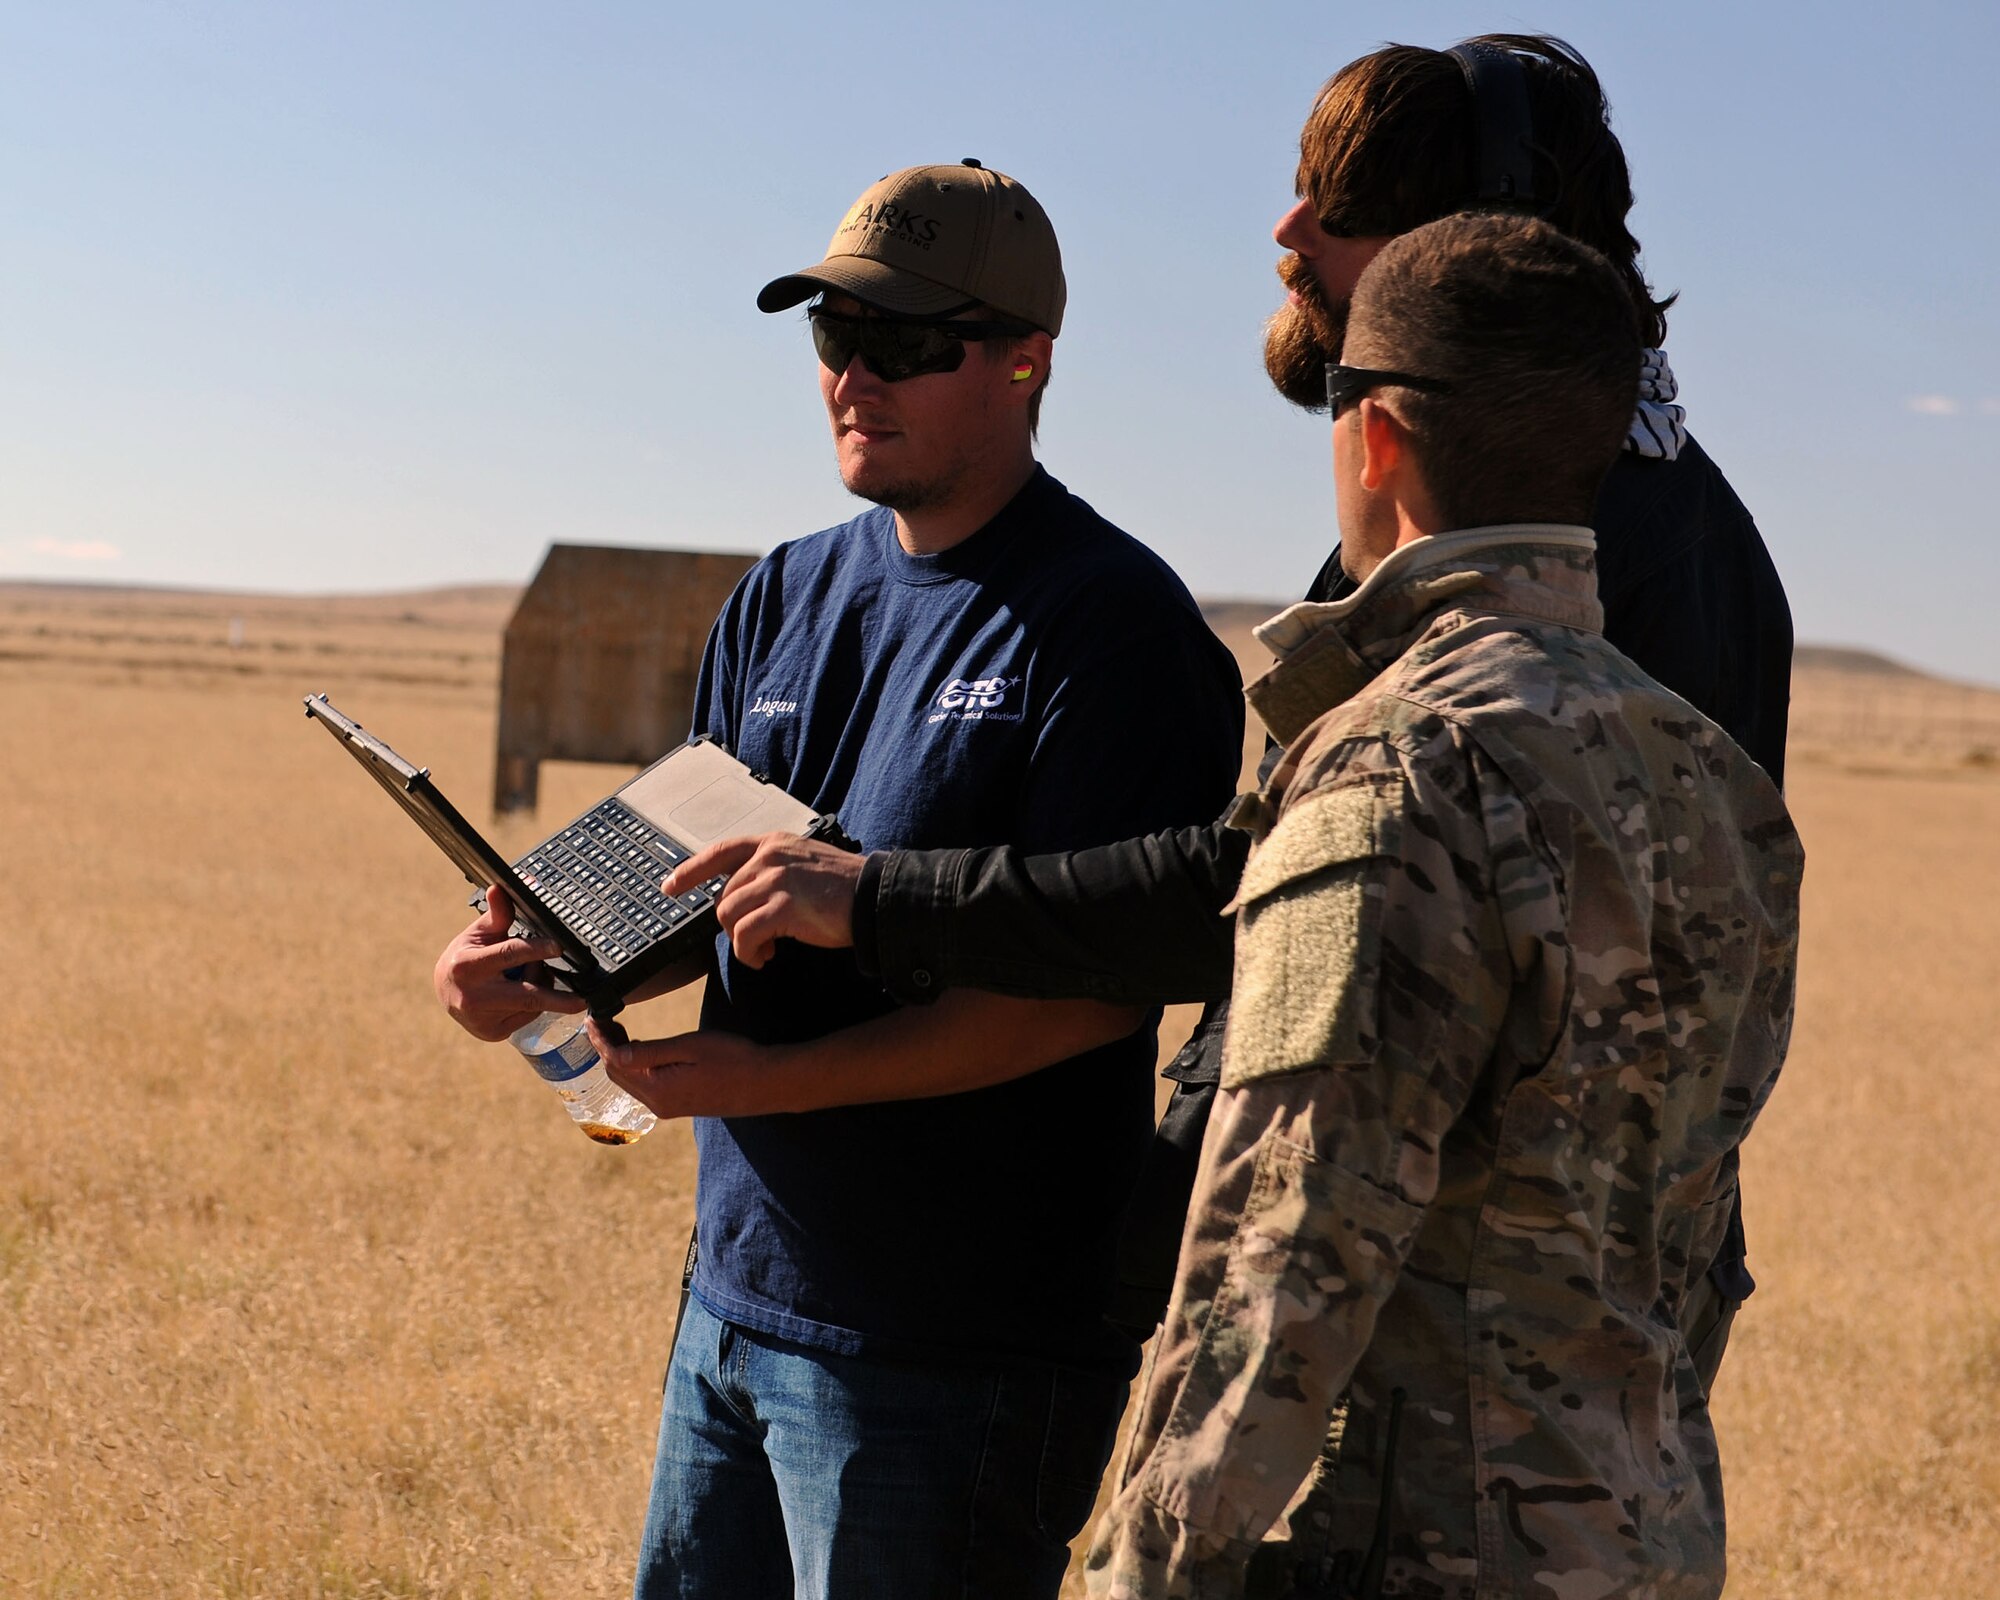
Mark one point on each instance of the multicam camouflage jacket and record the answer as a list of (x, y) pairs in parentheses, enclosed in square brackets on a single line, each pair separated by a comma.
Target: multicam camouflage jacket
[(1514, 964)]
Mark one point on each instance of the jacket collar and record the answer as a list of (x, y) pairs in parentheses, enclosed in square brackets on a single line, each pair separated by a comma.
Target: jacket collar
[(1327, 651)]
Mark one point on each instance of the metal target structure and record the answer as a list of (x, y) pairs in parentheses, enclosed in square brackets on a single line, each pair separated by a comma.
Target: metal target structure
[(599, 660)]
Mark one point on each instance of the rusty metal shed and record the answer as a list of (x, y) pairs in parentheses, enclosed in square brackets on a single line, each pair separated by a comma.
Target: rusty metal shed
[(600, 657)]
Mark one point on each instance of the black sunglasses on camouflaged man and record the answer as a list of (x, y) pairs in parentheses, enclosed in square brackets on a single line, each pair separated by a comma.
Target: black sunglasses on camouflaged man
[(895, 348), (1345, 385)]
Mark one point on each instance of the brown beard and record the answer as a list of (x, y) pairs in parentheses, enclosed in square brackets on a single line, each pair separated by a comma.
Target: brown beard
[(1300, 339)]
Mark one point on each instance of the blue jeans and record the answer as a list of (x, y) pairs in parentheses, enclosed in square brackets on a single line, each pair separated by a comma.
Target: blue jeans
[(786, 1471)]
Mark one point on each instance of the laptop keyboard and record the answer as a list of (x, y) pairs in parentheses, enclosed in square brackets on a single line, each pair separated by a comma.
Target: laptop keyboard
[(602, 875)]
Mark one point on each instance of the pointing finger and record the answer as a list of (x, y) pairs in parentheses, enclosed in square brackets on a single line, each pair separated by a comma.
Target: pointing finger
[(717, 861)]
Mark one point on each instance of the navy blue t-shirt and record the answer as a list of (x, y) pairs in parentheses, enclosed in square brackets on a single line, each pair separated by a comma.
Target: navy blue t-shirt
[(1047, 683)]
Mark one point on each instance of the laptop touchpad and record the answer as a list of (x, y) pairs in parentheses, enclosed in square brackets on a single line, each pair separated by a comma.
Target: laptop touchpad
[(714, 812), (699, 794)]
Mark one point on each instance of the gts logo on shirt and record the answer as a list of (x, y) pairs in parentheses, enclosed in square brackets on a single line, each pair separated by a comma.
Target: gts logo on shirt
[(975, 700)]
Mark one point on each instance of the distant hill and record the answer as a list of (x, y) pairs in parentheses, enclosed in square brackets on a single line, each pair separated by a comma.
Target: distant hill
[(460, 605), (481, 593), (1844, 658), (473, 603), (1225, 616)]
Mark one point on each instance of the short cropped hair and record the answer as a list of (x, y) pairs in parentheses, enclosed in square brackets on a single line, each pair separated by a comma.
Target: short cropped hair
[(1539, 341), (1392, 143)]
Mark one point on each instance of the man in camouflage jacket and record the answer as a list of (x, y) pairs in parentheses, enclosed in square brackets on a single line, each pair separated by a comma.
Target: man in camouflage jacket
[(1514, 961)]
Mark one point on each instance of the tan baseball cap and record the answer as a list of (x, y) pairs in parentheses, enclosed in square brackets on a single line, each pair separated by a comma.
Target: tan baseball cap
[(926, 240)]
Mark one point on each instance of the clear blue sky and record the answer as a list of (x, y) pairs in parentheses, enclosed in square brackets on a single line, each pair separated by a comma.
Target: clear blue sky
[(370, 296)]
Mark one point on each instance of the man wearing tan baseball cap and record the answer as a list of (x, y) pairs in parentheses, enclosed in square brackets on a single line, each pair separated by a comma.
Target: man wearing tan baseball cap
[(928, 241), (894, 1379)]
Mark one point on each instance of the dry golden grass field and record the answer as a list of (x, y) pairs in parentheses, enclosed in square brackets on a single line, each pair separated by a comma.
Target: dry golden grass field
[(303, 1294)]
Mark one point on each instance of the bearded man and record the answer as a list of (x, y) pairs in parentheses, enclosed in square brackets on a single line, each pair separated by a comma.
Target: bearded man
[(1689, 590)]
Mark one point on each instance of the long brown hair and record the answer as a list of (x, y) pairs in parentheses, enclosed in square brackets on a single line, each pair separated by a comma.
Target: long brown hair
[(1392, 144)]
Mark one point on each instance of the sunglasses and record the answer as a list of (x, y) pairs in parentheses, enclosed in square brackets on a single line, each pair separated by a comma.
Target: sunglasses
[(1345, 385), (895, 348)]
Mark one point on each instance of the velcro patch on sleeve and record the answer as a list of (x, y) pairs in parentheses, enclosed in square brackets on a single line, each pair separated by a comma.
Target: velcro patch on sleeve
[(1308, 932)]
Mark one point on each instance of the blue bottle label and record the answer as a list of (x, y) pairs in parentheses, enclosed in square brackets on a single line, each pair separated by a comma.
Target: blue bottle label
[(572, 1058)]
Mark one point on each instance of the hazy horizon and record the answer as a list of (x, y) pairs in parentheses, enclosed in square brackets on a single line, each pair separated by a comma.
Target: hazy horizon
[(1822, 648)]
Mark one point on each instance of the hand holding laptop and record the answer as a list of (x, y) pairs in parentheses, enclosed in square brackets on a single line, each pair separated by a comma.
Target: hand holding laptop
[(492, 982)]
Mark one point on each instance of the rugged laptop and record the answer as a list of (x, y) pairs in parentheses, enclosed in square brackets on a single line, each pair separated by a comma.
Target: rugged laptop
[(594, 886)]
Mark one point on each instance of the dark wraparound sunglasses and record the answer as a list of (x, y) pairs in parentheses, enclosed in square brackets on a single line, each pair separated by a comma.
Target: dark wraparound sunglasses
[(1345, 385), (895, 348)]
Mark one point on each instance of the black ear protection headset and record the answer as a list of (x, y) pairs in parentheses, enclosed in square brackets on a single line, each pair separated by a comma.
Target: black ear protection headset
[(1503, 127)]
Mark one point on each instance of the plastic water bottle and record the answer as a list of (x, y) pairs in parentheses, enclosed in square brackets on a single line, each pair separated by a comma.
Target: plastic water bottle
[(564, 1058)]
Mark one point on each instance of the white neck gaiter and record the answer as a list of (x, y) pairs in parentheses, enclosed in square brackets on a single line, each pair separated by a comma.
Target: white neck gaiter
[(1659, 427)]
